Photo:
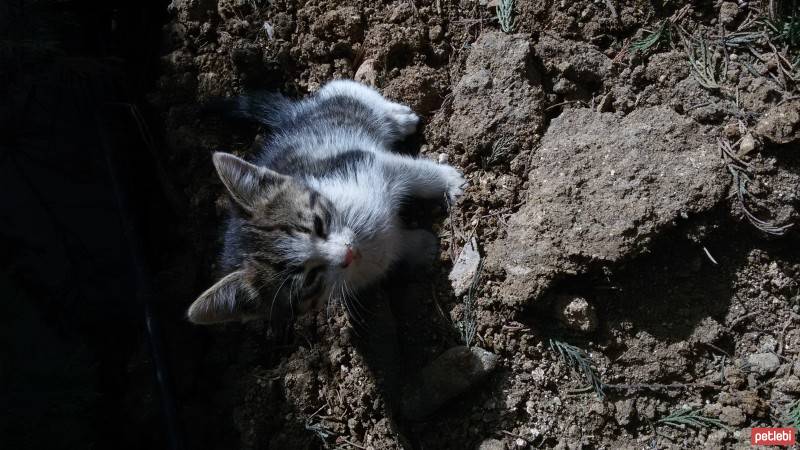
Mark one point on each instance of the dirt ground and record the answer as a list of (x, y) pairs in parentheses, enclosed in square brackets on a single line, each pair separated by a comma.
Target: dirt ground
[(606, 193)]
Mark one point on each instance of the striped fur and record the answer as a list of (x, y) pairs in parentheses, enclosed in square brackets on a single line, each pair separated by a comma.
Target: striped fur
[(314, 216)]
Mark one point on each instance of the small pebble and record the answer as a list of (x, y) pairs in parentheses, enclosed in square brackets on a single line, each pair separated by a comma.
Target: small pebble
[(491, 444), (747, 145), (465, 269), (576, 313)]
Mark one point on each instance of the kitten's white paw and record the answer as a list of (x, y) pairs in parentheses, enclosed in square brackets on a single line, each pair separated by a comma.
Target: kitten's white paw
[(404, 117), (454, 183)]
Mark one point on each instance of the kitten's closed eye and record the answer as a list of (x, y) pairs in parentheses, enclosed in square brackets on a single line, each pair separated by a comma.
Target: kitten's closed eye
[(319, 227), (313, 285)]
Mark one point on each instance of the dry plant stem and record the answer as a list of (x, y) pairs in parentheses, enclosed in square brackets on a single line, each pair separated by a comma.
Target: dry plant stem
[(794, 414), (468, 326), (692, 418), (505, 15), (660, 387), (580, 361), (740, 172)]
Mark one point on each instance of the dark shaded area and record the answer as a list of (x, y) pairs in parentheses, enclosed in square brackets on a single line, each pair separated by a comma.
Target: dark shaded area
[(84, 206)]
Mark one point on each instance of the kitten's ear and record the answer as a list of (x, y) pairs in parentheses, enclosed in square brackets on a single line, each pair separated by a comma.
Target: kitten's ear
[(231, 298), (246, 182)]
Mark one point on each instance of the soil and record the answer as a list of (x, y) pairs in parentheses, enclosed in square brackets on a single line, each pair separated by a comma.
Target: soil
[(594, 172)]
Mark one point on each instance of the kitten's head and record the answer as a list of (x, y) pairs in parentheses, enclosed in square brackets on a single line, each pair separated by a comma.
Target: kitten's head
[(294, 248)]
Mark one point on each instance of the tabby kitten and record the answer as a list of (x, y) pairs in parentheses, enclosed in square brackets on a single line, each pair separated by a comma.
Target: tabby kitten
[(315, 215)]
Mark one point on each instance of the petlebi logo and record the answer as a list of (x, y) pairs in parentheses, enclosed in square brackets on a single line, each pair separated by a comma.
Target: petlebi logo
[(773, 436)]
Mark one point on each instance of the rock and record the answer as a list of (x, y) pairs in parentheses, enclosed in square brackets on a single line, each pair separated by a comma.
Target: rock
[(466, 267), (731, 130), (600, 190), (716, 439), (748, 401), (435, 33), (747, 145), (491, 444), (728, 13), (732, 416), (781, 124), (789, 385), (499, 95), (625, 411), (451, 374), (366, 73), (764, 363), (576, 313), (708, 331)]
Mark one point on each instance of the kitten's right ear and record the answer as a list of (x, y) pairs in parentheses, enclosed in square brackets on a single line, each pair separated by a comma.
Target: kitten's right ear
[(246, 182), (230, 299)]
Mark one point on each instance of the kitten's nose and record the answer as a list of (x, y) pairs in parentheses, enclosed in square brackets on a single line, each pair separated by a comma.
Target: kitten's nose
[(350, 256)]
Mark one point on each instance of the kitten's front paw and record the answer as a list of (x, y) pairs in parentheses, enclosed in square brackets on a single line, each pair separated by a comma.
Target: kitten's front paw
[(454, 183), (404, 117)]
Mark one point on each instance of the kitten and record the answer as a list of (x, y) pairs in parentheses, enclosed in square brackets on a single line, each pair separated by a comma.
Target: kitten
[(315, 215)]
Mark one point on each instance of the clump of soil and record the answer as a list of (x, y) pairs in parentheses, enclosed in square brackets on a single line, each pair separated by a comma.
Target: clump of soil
[(595, 173), (600, 189)]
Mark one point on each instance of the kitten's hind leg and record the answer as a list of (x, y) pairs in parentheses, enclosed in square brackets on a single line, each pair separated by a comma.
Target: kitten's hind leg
[(401, 118)]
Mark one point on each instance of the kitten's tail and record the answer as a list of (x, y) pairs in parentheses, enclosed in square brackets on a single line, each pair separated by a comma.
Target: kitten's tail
[(268, 108)]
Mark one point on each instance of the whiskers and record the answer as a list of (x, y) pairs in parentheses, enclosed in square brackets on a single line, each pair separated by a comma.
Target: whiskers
[(278, 291), (358, 314)]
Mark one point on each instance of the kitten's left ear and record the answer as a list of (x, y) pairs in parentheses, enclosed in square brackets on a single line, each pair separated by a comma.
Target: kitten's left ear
[(230, 299), (246, 182)]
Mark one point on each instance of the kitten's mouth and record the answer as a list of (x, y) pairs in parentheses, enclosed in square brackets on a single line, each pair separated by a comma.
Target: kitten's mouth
[(350, 256)]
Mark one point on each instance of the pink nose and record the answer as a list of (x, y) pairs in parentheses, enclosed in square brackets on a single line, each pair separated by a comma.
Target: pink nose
[(350, 256)]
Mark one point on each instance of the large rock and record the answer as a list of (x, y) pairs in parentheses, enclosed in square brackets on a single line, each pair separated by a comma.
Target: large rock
[(601, 188), (500, 95)]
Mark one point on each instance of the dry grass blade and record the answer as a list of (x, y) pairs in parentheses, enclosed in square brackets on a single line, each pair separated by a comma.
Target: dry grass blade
[(468, 325), (505, 15), (501, 150), (742, 39), (702, 63), (784, 30), (692, 418), (662, 34), (741, 177), (581, 362), (794, 415), (319, 429)]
